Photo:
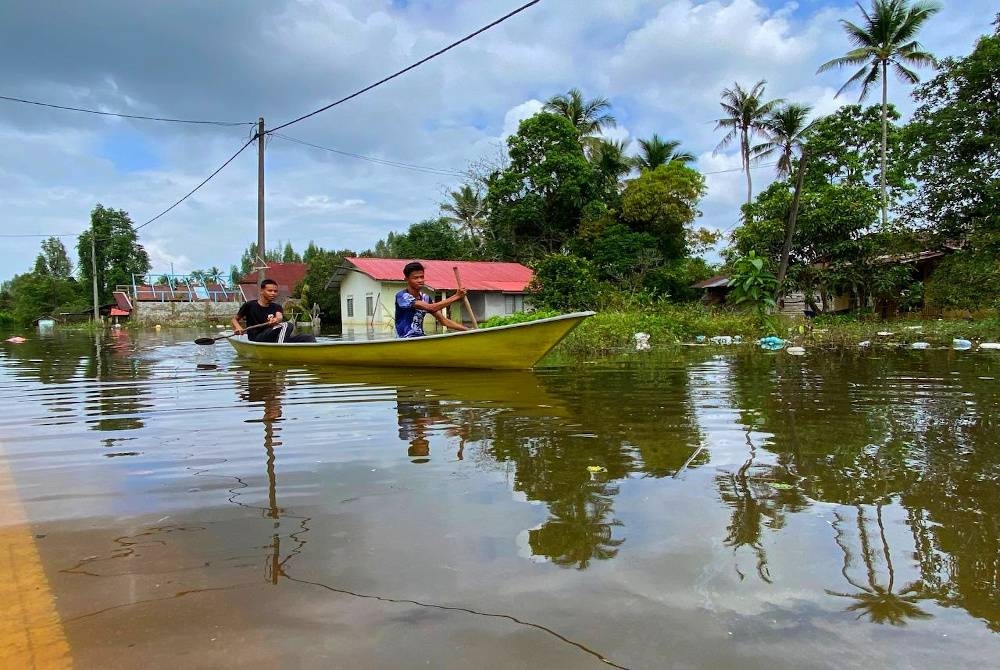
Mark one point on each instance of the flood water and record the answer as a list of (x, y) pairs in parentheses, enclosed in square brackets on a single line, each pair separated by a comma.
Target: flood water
[(164, 505)]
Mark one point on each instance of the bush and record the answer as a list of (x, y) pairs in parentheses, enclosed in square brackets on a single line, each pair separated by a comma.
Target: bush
[(965, 280), (564, 283)]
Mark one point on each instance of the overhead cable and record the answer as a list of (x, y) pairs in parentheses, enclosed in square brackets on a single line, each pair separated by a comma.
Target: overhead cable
[(411, 67), (191, 192), (127, 116), (380, 161)]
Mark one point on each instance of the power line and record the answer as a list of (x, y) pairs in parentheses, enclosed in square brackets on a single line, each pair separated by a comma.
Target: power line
[(411, 67), (126, 116), (206, 180), (380, 161)]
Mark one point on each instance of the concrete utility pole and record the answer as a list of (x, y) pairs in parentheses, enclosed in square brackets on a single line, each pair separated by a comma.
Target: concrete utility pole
[(261, 249), (93, 270)]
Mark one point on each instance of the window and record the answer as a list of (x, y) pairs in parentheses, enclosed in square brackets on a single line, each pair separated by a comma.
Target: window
[(513, 303), (350, 306), (369, 305)]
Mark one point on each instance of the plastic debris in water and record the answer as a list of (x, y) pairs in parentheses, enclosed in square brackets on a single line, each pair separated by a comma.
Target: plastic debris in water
[(990, 345), (781, 486), (866, 343), (699, 338), (596, 468), (796, 351), (721, 339), (771, 343), (961, 344), (884, 333), (17, 339), (920, 345), (641, 341)]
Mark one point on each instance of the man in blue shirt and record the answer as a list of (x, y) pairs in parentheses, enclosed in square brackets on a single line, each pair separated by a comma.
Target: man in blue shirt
[(412, 305)]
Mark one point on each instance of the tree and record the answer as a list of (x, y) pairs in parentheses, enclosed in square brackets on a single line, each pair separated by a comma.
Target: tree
[(954, 137), (119, 254), (429, 240), (54, 260), (886, 38), (312, 289), (589, 117), (537, 203), (746, 116), (288, 254), (662, 202), (787, 129), (564, 283), (657, 151), (467, 209)]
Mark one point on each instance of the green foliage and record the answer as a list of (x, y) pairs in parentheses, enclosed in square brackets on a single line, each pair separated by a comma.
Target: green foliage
[(955, 140), (661, 202), (312, 289), (966, 280), (518, 317), (433, 239), (36, 295), (54, 260), (564, 283), (754, 286), (620, 254), (119, 254), (674, 280), (536, 204)]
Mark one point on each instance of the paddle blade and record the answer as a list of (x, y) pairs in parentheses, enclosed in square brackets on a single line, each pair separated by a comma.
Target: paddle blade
[(205, 340)]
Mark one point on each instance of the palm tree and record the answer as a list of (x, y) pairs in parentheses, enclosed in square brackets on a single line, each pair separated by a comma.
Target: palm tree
[(747, 115), (657, 151), (589, 117), (467, 209), (885, 38), (787, 129), (609, 157)]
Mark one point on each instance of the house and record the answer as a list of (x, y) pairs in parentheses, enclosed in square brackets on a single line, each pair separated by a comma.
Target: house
[(368, 287), (716, 288), (792, 304), (288, 275)]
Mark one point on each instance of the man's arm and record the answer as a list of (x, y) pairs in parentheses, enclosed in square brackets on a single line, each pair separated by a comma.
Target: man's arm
[(435, 307), (448, 323)]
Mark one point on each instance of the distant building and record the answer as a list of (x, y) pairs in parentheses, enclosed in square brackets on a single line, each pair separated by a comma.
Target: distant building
[(368, 287), (288, 275)]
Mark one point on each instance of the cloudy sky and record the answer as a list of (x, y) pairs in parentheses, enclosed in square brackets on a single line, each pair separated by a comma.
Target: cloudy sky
[(662, 63)]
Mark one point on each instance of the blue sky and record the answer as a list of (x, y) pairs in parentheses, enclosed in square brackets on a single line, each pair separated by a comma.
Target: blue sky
[(662, 63)]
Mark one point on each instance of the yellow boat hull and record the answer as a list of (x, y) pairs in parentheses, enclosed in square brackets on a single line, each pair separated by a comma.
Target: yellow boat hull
[(515, 347)]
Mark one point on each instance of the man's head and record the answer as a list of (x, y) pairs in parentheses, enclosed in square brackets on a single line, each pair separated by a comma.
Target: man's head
[(414, 274), (268, 291)]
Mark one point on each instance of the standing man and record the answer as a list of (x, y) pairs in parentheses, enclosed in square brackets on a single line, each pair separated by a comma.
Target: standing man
[(265, 310), (412, 305)]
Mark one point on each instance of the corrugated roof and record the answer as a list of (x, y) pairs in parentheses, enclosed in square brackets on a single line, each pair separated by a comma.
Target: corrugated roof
[(286, 274), (440, 275), (718, 281)]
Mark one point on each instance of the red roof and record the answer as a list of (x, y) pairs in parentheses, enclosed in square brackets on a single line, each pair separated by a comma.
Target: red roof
[(118, 312), (286, 274), (440, 275)]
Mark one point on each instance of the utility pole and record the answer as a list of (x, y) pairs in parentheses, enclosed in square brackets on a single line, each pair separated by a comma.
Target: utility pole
[(260, 201), (93, 269)]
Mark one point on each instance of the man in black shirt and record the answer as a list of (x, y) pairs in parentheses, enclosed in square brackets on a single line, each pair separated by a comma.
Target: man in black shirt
[(265, 310)]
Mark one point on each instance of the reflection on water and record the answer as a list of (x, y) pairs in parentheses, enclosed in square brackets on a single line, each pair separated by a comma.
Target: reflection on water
[(720, 498)]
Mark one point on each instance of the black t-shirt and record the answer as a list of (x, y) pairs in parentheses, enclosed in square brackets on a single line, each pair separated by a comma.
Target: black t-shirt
[(252, 313)]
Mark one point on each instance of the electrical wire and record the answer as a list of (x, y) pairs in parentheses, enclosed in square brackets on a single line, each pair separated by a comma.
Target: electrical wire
[(206, 180), (380, 161), (126, 116), (411, 67)]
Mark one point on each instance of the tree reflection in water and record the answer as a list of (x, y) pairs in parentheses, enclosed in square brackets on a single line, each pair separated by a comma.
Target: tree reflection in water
[(879, 603)]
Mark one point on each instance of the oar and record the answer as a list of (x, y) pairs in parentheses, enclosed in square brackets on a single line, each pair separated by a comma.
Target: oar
[(213, 340), (465, 299)]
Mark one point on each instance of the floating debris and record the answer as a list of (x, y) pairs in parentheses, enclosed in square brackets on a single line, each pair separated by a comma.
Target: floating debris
[(699, 338), (990, 345), (961, 344), (885, 333), (866, 343), (641, 341), (721, 339), (17, 339), (771, 343), (920, 345), (796, 351), (781, 486), (596, 468)]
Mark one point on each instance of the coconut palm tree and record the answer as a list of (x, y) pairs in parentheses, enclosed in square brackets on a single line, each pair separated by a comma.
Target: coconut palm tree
[(746, 116), (589, 117), (609, 157), (467, 209), (885, 38), (657, 151), (786, 130)]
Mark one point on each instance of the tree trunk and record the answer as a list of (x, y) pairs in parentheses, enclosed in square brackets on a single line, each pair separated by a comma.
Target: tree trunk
[(793, 213), (746, 166), (885, 126)]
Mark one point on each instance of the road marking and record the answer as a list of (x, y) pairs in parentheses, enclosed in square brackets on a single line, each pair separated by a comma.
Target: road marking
[(31, 633)]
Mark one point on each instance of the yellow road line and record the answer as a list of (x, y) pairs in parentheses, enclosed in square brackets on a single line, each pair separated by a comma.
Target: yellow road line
[(31, 633)]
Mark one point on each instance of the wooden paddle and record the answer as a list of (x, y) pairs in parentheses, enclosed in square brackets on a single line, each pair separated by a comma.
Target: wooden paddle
[(465, 299), (213, 340)]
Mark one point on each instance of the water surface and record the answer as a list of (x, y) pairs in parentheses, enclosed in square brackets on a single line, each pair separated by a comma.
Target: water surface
[(697, 508)]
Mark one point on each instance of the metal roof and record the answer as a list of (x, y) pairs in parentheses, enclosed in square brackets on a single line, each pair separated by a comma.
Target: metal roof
[(440, 275)]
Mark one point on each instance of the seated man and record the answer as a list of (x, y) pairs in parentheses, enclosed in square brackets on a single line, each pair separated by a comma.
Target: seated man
[(412, 305), (264, 310)]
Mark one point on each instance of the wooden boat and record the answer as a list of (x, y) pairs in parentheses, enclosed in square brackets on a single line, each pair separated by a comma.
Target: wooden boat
[(515, 347)]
